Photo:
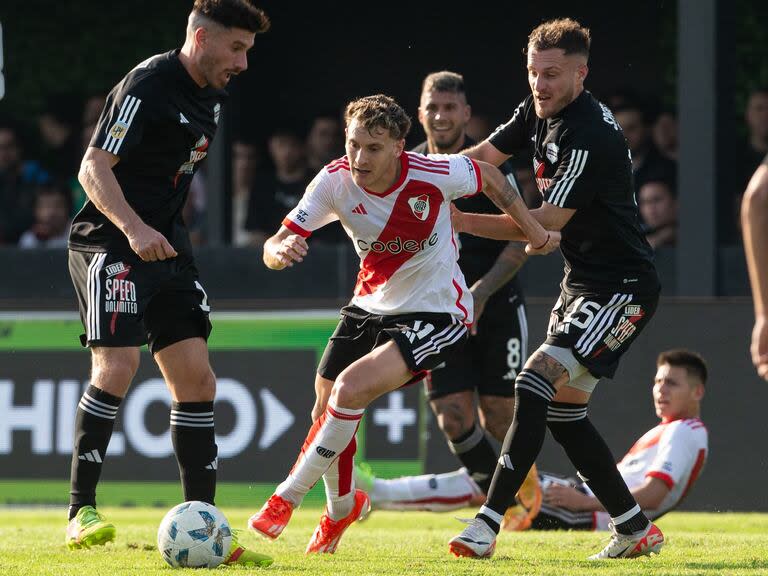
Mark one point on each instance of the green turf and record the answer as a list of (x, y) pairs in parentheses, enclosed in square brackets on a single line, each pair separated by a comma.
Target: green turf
[(32, 544)]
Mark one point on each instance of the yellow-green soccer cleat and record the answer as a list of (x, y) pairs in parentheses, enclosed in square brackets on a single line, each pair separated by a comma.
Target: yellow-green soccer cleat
[(89, 528), (242, 557)]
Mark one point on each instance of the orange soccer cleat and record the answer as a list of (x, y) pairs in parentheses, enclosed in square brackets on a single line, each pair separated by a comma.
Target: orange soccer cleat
[(273, 517), (326, 537)]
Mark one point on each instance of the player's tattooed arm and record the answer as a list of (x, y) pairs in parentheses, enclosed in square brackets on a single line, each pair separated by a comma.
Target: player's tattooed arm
[(524, 226)]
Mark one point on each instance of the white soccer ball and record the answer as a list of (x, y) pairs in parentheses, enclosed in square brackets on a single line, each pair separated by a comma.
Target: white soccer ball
[(194, 535)]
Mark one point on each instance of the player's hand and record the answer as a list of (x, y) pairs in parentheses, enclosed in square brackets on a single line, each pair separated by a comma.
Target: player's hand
[(552, 244), (480, 300), (149, 244), (290, 250), (564, 497), (759, 346), (458, 219)]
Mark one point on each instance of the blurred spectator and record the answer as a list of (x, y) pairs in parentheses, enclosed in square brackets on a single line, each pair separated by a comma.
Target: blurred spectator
[(647, 161), (92, 109), (194, 208), (527, 182), (60, 135), (50, 229), (17, 185), (657, 201), (665, 135), (325, 142), (756, 145), (274, 194), (245, 160)]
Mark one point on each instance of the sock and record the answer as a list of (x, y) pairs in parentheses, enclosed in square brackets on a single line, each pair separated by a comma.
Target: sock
[(433, 492), (585, 447), (192, 432), (328, 437), (478, 456), (340, 484), (522, 444), (94, 421)]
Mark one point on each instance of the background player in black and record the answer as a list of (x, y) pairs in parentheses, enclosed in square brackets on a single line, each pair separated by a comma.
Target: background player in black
[(610, 290), (754, 227), (496, 349), (130, 256)]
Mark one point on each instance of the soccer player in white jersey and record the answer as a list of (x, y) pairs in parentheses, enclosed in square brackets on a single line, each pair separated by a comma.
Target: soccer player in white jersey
[(411, 306), (659, 469)]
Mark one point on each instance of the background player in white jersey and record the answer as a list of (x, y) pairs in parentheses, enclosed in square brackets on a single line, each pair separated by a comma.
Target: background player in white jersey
[(411, 306), (660, 468)]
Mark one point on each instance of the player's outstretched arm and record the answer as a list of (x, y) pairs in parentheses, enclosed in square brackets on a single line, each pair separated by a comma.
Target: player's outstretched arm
[(754, 225), (103, 190), (284, 249)]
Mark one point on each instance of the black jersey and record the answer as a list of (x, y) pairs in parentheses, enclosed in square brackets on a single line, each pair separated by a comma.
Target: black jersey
[(477, 255), (160, 123), (581, 161)]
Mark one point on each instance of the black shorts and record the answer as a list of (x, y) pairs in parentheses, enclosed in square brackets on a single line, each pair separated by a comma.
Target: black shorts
[(425, 339), (125, 301), (599, 328), (491, 359)]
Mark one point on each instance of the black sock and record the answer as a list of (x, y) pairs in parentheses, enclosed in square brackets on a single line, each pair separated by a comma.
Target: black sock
[(194, 442), (478, 456), (522, 444), (94, 421), (586, 448)]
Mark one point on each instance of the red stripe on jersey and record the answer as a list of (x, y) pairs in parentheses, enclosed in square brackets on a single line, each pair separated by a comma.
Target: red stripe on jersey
[(666, 478), (700, 459), (339, 167), (478, 175), (431, 171), (403, 224), (295, 228), (418, 158), (458, 301), (334, 163)]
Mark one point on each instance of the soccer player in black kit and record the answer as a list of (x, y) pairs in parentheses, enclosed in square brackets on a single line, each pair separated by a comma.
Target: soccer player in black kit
[(609, 293), (131, 260)]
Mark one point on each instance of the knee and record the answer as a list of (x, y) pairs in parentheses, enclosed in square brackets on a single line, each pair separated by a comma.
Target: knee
[(452, 420), (345, 393), (115, 369), (497, 424), (207, 384)]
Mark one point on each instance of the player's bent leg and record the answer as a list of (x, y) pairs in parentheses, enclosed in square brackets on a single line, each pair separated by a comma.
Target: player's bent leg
[(326, 537), (89, 528), (496, 413), (323, 387)]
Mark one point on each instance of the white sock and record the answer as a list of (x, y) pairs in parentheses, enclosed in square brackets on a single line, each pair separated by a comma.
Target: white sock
[(434, 492), (339, 505), (327, 439)]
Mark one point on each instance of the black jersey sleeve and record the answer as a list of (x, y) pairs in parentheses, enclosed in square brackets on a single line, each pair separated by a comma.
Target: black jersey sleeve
[(121, 124), (573, 185), (515, 134)]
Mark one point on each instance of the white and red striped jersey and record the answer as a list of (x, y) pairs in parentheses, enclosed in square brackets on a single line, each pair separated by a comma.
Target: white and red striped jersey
[(403, 236), (674, 452)]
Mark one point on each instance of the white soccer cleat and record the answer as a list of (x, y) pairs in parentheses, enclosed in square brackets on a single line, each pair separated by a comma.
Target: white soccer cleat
[(643, 543), (477, 540)]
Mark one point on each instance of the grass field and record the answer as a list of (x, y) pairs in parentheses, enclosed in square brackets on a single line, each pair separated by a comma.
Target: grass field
[(31, 544)]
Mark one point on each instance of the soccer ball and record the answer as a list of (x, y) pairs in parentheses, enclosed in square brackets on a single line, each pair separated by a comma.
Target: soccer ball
[(194, 535)]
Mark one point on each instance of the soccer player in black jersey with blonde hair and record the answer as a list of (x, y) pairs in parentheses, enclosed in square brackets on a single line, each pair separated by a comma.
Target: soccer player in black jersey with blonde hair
[(131, 260), (609, 293)]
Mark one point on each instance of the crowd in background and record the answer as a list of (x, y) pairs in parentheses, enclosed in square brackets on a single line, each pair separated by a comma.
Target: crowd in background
[(39, 191)]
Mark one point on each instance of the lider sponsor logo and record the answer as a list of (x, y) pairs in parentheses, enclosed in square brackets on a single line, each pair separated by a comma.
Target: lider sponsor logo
[(397, 245)]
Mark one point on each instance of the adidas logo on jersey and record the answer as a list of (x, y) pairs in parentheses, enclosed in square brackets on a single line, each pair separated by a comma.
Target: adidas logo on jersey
[(183, 119), (359, 209)]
